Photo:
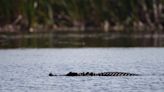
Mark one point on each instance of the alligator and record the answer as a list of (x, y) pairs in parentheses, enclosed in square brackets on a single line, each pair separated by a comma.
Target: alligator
[(97, 74)]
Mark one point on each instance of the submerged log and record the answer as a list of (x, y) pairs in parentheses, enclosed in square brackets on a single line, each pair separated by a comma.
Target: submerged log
[(97, 74)]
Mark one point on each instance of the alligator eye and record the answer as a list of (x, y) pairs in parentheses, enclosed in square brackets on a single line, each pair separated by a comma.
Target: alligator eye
[(50, 74)]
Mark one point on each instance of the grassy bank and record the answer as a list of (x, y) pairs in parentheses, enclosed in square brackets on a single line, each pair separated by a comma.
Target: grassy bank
[(30, 15)]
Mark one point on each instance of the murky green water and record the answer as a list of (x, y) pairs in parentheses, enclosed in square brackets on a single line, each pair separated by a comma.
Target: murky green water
[(81, 39)]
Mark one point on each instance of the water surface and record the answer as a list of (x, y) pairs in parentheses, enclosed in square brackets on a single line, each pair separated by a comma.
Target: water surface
[(26, 70)]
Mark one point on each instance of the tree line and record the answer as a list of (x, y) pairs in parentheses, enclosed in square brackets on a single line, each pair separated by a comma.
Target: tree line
[(81, 14)]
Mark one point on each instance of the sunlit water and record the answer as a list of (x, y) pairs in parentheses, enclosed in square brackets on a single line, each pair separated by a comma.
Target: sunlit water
[(26, 70)]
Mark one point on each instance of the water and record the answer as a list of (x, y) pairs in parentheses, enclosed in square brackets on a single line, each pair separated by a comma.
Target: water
[(71, 39), (26, 70)]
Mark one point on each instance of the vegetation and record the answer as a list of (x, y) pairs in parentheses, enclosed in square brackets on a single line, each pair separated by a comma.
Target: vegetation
[(32, 15)]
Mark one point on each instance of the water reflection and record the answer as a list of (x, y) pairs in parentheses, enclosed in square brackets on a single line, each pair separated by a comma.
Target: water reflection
[(81, 39)]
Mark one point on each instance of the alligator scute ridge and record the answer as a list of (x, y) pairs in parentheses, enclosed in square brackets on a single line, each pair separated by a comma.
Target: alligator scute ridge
[(97, 74)]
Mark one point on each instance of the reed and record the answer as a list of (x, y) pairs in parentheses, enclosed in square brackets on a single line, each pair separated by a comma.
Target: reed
[(80, 12)]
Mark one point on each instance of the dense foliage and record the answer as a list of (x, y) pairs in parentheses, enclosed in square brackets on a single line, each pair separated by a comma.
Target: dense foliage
[(83, 13)]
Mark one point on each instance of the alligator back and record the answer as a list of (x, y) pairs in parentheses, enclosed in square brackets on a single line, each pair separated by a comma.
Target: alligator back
[(97, 74)]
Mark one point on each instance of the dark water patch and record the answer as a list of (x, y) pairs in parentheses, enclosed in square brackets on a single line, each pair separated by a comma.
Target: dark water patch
[(82, 39)]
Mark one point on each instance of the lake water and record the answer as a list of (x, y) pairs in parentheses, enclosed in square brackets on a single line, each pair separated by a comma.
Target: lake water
[(26, 70)]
